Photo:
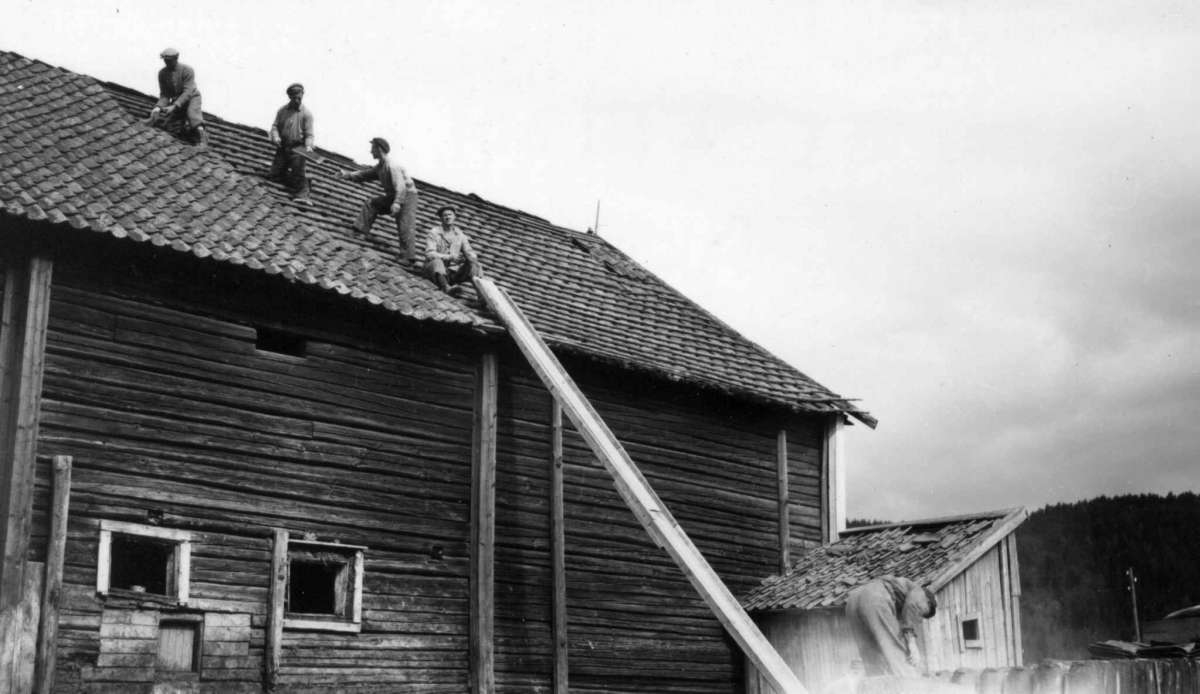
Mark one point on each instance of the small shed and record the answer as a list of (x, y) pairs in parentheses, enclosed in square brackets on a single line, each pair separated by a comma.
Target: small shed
[(970, 561)]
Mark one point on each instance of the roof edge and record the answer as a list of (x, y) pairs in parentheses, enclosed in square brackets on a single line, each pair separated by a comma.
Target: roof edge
[(1002, 530), (941, 520)]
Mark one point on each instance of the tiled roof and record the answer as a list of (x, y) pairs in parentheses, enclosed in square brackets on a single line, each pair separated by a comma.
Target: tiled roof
[(75, 152), (930, 552)]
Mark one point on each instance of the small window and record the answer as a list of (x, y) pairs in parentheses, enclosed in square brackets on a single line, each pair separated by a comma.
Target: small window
[(280, 342), (143, 561), (971, 637), (324, 586), (179, 642)]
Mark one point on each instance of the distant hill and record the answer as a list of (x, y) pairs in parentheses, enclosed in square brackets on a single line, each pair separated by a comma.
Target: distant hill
[(1073, 559)]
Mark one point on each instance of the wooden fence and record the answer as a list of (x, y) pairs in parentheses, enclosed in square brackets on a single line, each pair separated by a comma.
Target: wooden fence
[(1141, 676)]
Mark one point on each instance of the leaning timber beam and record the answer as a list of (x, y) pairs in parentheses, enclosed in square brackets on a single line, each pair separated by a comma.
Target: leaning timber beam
[(637, 493)]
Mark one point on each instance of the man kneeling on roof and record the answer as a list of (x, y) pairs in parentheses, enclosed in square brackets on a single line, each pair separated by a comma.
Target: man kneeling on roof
[(178, 96), (399, 197), (449, 258), (884, 615)]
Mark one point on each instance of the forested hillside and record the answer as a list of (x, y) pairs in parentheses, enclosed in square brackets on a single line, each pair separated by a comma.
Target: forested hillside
[(1073, 561)]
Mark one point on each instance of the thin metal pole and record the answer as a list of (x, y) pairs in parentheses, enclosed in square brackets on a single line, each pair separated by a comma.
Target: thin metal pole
[(1137, 624)]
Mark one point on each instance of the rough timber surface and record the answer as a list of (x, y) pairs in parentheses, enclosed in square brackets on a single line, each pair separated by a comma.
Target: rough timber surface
[(173, 417), (154, 386), (635, 623)]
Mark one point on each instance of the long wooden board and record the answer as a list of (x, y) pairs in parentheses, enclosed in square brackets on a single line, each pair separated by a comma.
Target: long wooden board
[(637, 493)]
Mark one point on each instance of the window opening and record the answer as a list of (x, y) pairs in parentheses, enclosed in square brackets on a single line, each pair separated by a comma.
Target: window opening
[(142, 564), (318, 586), (970, 633), (134, 559), (280, 342), (324, 586)]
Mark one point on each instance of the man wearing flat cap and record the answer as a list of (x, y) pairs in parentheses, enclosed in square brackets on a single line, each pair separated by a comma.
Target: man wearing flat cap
[(178, 96), (292, 132), (885, 615), (399, 197), (449, 258)]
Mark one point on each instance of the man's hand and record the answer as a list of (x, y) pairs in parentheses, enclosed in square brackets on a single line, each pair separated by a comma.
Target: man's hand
[(395, 210), (913, 650), (274, 138), (308, 149), (155, 111)]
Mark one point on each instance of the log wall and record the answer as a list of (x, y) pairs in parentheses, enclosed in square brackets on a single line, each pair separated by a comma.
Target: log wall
[(174, 418), (154, 385), (634, 622)]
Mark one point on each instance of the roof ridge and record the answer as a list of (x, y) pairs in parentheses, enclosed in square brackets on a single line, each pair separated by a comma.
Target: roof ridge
[(943, 520)]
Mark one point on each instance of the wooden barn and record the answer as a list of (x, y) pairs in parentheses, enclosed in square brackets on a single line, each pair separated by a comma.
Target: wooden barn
[(969, 561), (244, 451)]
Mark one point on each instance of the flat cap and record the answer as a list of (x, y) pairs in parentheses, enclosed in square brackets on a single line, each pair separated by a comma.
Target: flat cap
[(169, 53), (382, 143), (294, 87)]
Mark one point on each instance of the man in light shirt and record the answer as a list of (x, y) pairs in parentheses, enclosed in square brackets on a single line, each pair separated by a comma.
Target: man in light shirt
[(884, 615), (399, 198), (292, 131), (449, 258)]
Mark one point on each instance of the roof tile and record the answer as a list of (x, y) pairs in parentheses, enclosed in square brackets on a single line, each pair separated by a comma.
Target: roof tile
[(919, 550)]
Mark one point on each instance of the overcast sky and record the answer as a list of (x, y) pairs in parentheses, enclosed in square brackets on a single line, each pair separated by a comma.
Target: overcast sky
[(982, 219)]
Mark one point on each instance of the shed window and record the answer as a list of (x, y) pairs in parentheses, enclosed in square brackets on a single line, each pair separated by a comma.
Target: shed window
[(145, 560), (971, 637), (324, 586)]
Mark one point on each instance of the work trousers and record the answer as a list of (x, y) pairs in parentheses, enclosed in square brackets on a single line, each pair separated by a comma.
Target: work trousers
[(185, 121), (192, 111), (289, 167), (406, 219), (872, 616), (455, 274)]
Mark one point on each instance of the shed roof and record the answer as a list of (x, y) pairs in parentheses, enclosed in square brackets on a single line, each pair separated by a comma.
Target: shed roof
[(931, 552), (75, 152)]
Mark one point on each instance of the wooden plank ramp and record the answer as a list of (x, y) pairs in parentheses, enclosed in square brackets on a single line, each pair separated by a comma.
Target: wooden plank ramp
[(637, 493)]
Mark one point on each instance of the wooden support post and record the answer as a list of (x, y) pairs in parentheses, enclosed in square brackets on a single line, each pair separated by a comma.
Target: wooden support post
[(833, 484), (785, 531), (47, 650), (483, 529), (26, 309), (1014, 573), (23, 317), (274, 646), (650, 511), (558, 543)]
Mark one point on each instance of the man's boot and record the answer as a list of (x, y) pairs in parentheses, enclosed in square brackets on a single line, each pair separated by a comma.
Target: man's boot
[(202, 134), (442, 283)]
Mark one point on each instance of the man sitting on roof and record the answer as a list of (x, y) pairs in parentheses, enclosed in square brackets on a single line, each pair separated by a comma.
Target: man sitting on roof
[(884, 615), (291, 132), (178, 96), (399, 197), (449, 258)]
